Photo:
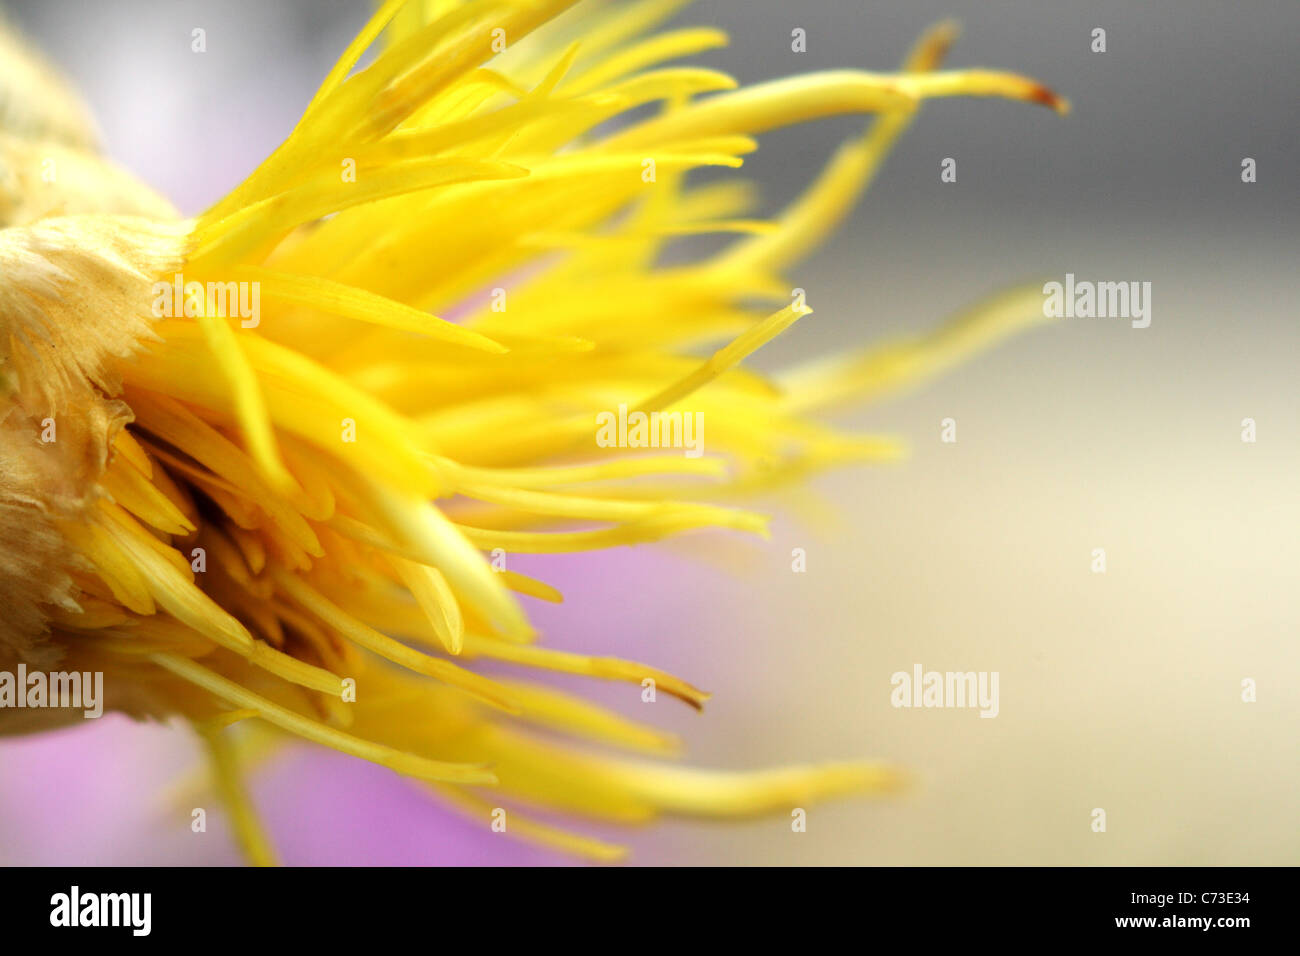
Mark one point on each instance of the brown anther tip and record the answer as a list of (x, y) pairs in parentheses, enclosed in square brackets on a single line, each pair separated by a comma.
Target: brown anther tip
[(947, 32), (1051, 99), (695, 700)]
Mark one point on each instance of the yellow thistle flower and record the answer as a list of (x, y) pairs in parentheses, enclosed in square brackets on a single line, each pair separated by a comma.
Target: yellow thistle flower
[(288, 512)]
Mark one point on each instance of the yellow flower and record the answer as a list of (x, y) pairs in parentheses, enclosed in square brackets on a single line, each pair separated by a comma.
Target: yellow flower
[(249, 472)]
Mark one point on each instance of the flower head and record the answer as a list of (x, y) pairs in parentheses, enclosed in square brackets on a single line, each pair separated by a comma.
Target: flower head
[(297, 440)]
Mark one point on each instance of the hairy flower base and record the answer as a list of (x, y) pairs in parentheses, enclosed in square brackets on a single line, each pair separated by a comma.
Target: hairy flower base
[(285, 524)]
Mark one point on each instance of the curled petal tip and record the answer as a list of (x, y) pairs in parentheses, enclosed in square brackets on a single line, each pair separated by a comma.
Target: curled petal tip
[(1052, 99)]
